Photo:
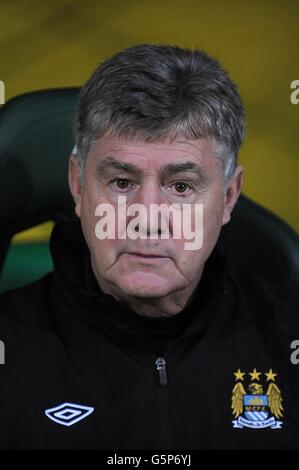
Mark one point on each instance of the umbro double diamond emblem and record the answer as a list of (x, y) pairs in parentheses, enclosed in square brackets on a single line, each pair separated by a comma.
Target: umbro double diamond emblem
[(68, 414)]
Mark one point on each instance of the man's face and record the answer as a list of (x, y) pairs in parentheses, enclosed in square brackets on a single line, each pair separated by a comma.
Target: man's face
[(179, 172)]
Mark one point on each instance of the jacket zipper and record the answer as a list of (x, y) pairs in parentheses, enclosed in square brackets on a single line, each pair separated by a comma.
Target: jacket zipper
[(161, 368), (162, 395)]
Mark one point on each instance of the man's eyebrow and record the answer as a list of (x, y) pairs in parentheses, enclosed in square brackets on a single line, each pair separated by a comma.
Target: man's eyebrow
[(182, 166), (173, 168), (111, 162)]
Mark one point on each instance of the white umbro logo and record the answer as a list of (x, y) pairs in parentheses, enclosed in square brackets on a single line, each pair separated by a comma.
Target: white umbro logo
[(68, 414)]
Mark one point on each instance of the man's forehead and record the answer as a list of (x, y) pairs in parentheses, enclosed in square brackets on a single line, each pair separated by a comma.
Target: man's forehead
[(163, 154)]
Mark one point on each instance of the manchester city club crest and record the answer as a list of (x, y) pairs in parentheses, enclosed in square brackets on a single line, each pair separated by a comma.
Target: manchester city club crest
[(251, 406)]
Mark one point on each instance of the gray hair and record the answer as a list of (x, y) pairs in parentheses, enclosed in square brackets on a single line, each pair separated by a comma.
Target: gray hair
[(150, 93)]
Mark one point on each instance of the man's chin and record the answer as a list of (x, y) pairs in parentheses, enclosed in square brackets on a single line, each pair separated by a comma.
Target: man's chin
[(143, 284)]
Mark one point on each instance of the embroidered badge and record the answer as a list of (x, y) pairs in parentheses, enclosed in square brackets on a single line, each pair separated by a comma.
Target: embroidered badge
[(252, 407)]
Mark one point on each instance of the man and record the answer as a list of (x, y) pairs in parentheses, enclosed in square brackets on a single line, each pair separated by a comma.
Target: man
[(138, 340)]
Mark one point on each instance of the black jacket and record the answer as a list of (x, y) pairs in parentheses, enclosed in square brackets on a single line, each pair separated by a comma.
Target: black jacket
[(83, 371)]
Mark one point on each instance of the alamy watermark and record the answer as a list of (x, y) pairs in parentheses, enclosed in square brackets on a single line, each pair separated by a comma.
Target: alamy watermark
[(294, 97), (295, 354), (186, 221), (2, 353), (2, 92)]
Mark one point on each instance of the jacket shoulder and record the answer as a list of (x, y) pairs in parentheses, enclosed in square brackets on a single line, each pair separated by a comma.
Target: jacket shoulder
[(271, 305), (25, 312)]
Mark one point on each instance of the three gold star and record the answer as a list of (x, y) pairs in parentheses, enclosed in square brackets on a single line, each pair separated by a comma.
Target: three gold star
[(255, 375)]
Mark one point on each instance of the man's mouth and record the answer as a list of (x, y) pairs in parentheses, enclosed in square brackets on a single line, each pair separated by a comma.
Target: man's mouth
[(146, 256)]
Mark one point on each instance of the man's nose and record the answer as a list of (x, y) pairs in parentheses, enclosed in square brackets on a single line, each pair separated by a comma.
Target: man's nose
[(150, 197)]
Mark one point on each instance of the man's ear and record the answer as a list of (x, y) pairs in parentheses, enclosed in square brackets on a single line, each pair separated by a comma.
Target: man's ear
[(75, 183), (232, 193)]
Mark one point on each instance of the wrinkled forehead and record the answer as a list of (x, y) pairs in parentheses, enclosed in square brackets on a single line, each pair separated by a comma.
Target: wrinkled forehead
[(154, 156)]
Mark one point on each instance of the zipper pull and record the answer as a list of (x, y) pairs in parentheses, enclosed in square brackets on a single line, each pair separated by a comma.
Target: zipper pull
[(161, 368)]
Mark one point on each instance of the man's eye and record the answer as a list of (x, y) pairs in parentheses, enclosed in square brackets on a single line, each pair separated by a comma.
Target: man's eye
[(182, 187), (121, 183)]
